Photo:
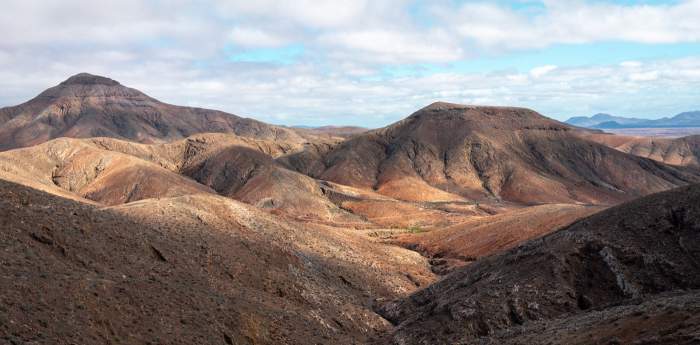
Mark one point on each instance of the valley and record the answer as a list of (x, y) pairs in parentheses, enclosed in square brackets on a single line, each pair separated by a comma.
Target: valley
[(127, 220)]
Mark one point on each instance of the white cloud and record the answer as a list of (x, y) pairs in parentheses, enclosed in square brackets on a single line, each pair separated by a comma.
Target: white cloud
[(542, 70), (251, 37), (311, 13), (500, 27), (394, 46), (179, 55), (645, 76), (631, 64)]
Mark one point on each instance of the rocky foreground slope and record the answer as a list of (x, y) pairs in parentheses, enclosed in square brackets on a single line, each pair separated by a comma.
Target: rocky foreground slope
[(198, 269), (627, 275)]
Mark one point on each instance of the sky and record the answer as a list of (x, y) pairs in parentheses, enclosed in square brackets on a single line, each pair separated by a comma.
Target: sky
[(364, 62)]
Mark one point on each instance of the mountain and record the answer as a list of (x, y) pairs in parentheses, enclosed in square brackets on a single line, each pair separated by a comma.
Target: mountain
[(196, 269), (597, 119), (450, 152), (605, 121), (86, 105), (626, 275), (127, 220)]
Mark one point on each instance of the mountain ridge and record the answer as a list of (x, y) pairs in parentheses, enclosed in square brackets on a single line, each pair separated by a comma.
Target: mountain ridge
[(447, 151), (87, 105), (606, 121)]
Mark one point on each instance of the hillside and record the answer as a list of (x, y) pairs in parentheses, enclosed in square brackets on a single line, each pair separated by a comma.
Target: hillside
[(197, 269), (631, 264), (449, 152), (683, 151), (112, 171), (77, 169), (86, 105), (482, 236)]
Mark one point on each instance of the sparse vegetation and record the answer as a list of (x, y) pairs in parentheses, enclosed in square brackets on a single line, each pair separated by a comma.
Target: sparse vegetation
[(414, 229)]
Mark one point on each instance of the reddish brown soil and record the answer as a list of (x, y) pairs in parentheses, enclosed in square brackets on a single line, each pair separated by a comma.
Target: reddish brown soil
[(176, 260), (190, 270), (489, 153), (73, 167), (600, 268), (486, 235), (683, 151)]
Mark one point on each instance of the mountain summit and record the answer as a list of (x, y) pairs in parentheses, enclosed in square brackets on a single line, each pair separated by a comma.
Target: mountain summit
[(89, 79), (450, 152), (87, 105)]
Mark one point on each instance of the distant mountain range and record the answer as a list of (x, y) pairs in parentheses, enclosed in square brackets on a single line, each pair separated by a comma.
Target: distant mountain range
[(607, 121)]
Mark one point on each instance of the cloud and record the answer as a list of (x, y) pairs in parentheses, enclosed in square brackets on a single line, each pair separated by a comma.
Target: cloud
[(394, 46), (542, 70), (251, 37), (353, 61), (572, 22), (645, 76), (631, 64)]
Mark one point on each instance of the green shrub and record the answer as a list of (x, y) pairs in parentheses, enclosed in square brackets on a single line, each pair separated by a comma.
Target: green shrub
[(415, 229)]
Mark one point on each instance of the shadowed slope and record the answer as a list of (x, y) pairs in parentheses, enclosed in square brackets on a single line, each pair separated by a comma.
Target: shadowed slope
[(197, 269), (248, 175), (449, 152), (113, 171), (92, 106), (622, 256)]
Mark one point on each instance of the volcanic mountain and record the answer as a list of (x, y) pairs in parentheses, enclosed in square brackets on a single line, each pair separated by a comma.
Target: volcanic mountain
[(455, 152), (87, 105), (627, 275)]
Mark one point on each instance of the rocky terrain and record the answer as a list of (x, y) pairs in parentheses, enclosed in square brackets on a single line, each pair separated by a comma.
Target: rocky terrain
[(631, 264), (198, 269), (130, 221), (449, 152), (481, 236), (72, 166)]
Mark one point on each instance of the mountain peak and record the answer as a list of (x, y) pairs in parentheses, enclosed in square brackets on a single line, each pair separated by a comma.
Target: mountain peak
[(443, 106), (89, 79)]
